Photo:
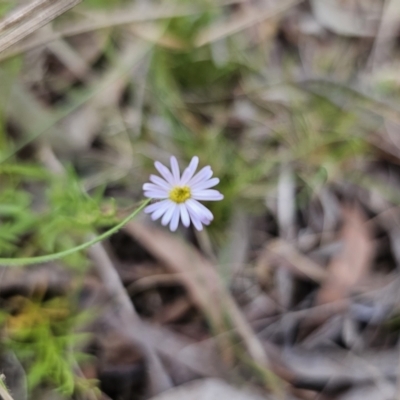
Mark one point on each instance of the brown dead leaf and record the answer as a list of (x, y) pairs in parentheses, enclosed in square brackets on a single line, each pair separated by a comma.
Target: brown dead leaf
[(353, 262), (277, 251), (349, 18), (331, 368)]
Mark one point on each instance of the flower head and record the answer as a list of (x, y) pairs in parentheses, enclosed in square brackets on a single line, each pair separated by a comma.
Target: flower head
[(179, 194)]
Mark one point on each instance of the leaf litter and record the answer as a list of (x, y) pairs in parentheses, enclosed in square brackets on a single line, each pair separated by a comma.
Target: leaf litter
[(293, 290)]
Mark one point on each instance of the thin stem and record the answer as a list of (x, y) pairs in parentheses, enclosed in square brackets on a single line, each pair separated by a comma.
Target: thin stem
[(11, 262)]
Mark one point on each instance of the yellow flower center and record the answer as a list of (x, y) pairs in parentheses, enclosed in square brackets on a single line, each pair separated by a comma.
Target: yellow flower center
[(179, 194)]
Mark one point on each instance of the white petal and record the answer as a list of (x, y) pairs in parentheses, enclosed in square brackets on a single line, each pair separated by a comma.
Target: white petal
[(204, 174), (168, 215), (164, 205), (152, 186), (165, 172), (207, 195), (155, 194), (206, 222), (153, 207), (205, 184), (184, 215), (195, 220), (160, 182), (174, 220), (201, 211), (175, 170), (190, 170)]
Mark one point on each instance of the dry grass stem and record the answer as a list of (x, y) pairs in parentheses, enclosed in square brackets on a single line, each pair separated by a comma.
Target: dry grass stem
[(30, 18), (202, 283)]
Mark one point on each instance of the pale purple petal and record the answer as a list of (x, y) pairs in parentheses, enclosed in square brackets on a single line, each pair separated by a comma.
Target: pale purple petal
[(153, 207), (165, 172), (201, 211), (174, 220), (191, 211), (160, 182), (184, 215), (195, 220), (168, 215), (204, 174), (151, 186), (175, 170), (190, 170), (207, 195), (155, 194), (205, 184), (164, 206)]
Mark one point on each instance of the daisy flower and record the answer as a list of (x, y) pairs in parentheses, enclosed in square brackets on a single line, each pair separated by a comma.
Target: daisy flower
[(179, 194)]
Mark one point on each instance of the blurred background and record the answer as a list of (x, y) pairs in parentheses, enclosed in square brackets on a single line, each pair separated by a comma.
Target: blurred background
[(293, 291)]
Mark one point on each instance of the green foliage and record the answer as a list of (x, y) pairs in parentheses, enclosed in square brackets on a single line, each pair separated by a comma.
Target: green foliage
[(40, 214), (41, 334), (43, 214), (193, 91), (65, 219), (70, 217), (16, 220), (24, 171), (103, 3), (5, 6), (16, 216)]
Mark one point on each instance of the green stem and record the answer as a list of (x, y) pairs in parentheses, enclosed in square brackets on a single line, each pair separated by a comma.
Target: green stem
[(11, 262)]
